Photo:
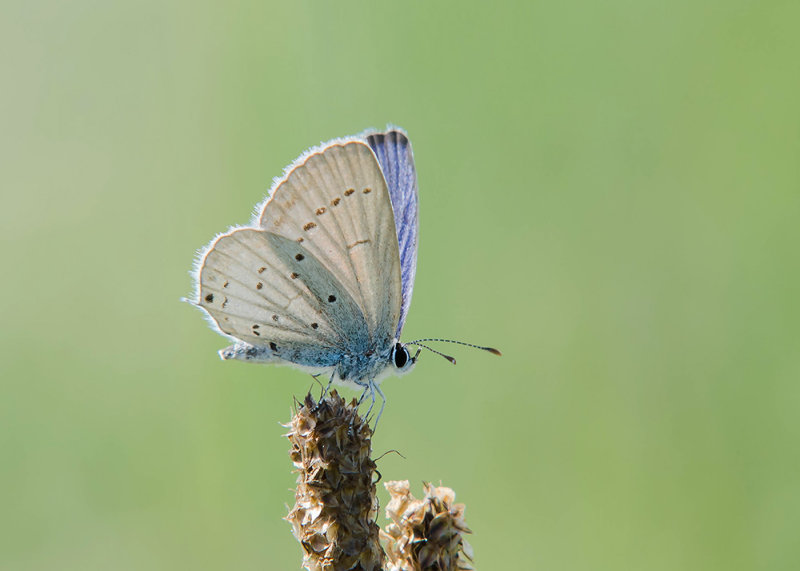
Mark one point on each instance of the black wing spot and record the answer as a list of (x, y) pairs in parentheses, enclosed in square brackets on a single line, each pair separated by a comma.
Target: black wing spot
[(256, 326), (274, 317), (331, 298), (210, 298), (294, 275), (314, 325), (256, 333), (251, 352), (299, 257), (273, 346)]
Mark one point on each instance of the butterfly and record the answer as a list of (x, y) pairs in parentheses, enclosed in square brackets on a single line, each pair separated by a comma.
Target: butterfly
[(322, 278)]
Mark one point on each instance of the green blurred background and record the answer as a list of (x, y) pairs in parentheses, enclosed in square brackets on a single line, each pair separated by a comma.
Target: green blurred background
[(609, 193)]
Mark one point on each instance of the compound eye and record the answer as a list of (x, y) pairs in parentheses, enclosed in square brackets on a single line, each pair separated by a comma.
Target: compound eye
[(401, 356)]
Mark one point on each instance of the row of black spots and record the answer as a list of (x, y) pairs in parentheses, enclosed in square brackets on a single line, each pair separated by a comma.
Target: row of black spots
[(255, 330), (210, 299), (335, 202), (252, 351), (299, 258), (350, 191), (260, 270)]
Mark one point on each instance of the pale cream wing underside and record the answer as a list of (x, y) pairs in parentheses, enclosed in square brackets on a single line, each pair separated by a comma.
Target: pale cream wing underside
[(250, 285), (337, 205)]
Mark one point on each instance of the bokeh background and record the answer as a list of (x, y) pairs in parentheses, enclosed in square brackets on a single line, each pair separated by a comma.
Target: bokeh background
[(609, 193)]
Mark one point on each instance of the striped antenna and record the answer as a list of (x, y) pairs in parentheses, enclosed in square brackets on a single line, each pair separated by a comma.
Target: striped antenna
[(491, 350), (448, 357)]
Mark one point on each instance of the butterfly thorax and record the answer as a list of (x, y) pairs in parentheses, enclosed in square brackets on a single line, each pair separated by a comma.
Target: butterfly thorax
[(360, 368)]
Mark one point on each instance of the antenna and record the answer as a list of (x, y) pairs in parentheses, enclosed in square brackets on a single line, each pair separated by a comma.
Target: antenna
[(491, 350), (448, 357)]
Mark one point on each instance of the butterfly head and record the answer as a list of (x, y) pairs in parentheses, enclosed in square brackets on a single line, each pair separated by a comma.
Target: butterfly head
[(402, 360)]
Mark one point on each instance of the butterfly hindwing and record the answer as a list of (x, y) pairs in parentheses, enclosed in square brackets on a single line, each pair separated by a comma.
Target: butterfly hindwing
[(265, 289), (393, 150)]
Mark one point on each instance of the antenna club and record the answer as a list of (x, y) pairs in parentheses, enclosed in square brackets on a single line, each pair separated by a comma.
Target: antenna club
[(494, 351)]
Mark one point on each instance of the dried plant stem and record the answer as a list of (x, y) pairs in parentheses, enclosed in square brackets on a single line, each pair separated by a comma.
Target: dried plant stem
[(335, 501)]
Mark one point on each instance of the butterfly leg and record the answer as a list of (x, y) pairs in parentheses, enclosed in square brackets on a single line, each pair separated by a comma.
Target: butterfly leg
[(383, 404), (328, 388), (325, 392), (363, 394), (358, 404), (371, 389), (316, 378)]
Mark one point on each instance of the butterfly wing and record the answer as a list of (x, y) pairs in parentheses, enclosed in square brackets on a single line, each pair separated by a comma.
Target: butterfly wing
[(267, 290), (336, 204), (396, 158)]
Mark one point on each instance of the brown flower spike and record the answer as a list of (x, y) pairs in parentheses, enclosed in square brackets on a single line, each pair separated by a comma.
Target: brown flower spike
[(335, 502), (427, 533)]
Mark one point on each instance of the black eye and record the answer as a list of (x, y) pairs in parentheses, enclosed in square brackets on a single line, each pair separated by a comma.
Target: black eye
[(400, 356)]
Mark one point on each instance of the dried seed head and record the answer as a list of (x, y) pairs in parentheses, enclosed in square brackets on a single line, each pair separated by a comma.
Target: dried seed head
[(335, 502), (428, 533)]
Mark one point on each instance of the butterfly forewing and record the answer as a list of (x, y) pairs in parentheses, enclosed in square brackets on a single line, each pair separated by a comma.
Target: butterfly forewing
[(336, 204)]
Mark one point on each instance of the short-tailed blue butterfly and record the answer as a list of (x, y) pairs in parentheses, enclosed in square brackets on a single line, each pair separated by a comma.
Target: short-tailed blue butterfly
[(322, 278)]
